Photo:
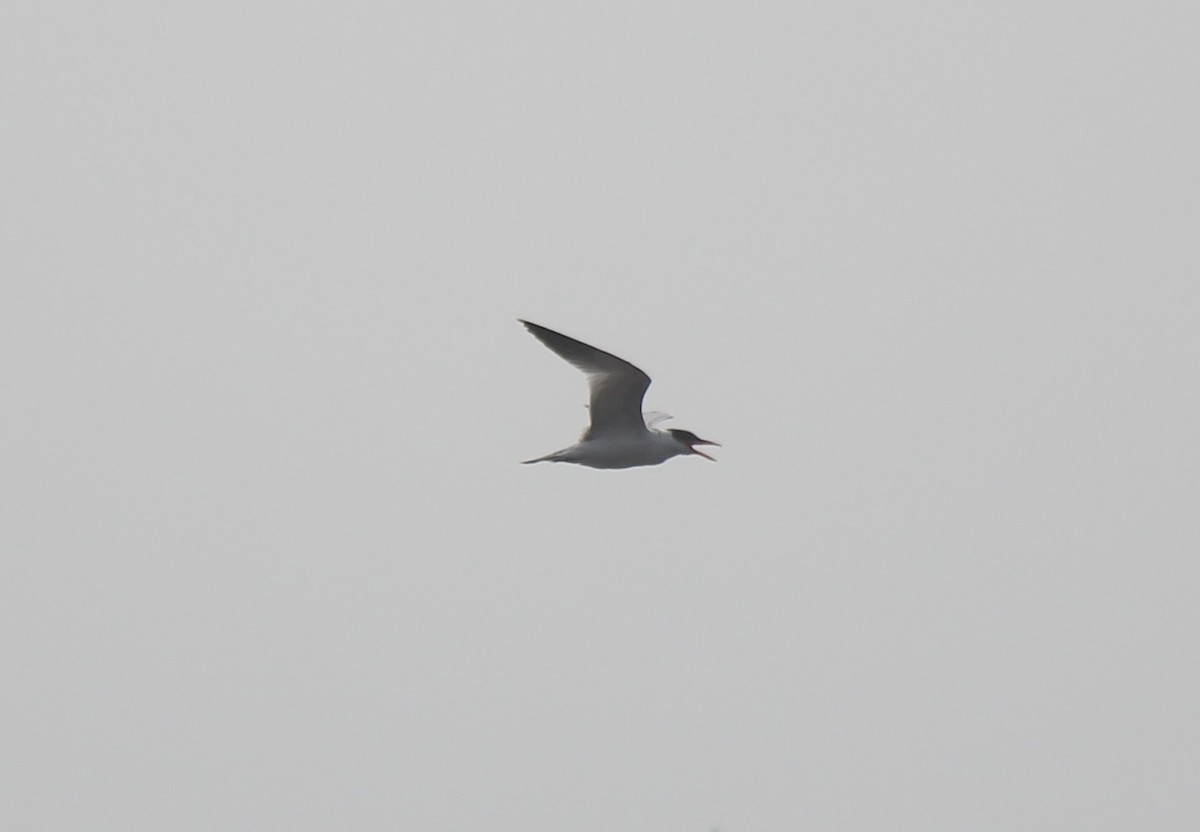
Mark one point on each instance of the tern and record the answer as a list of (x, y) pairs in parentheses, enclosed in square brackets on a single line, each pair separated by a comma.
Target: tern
[(620, 435)]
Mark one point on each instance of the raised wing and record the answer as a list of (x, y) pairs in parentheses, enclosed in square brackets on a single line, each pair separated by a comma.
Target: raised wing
[(617, 387)]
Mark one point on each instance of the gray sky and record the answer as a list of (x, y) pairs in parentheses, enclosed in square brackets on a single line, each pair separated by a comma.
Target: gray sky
[(928, 271)]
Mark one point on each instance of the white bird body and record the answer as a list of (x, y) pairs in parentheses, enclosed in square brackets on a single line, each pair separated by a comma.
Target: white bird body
[(620, 435), (653, 448)]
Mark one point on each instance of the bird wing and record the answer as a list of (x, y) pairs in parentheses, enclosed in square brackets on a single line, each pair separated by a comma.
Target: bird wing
[(617, 387)]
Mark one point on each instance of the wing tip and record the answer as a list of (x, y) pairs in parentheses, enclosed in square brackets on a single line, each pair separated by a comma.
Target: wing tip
[(545, 334)]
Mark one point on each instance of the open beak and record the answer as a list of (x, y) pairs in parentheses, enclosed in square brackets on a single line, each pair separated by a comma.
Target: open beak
[(701, 453)]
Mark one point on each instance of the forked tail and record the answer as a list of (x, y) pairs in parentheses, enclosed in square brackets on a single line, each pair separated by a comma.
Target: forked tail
[(554, 457)]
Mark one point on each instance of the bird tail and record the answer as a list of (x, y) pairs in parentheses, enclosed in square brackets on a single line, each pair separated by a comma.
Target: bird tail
[(554, 457)]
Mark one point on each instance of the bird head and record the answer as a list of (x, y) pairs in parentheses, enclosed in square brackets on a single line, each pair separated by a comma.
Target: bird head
[(690, 440)]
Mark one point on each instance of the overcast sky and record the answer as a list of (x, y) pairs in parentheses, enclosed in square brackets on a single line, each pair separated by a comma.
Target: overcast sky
[(928, 271)]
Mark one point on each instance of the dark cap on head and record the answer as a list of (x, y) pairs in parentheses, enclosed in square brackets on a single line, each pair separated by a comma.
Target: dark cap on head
[(691, 440)]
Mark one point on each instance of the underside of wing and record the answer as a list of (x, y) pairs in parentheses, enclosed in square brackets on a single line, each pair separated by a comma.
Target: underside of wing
[(616, 403), (617, 387)]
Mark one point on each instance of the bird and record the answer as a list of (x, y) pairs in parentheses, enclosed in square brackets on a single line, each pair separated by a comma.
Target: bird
[(620, 435)]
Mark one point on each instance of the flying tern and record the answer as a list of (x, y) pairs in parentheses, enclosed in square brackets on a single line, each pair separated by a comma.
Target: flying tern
[(620, 435)]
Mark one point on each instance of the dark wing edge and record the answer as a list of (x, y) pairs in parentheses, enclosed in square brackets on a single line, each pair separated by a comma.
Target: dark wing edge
[(583, 356)]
